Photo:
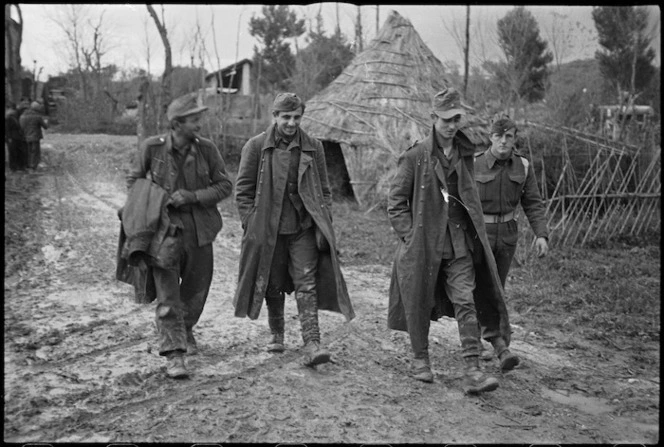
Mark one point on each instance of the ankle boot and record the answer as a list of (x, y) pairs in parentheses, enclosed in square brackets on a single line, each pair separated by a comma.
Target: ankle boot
[(475, 381), (422, 369), (507, 360)]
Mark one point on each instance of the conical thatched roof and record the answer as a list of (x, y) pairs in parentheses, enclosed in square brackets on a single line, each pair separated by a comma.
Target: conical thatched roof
[(381, 102)]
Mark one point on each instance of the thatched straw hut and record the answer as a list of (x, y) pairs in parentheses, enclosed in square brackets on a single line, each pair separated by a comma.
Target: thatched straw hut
[(377, 107)]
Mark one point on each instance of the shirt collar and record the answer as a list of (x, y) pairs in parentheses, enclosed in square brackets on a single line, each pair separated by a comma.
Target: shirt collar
[(491, 159)]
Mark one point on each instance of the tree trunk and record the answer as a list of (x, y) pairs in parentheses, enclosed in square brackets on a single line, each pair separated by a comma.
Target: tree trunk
[(13, 40), (141, 125), (466, 50), (166, 79)]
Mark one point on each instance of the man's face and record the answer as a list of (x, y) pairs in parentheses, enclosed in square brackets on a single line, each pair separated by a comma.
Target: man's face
[(502, 144), (446, 128), (190, 127), (288, 122)]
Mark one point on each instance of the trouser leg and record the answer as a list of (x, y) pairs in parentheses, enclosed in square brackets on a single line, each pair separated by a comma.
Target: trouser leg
[(302, 269), (459, 281), (14, 148), (196, 269), (33, 154), (169, 312)]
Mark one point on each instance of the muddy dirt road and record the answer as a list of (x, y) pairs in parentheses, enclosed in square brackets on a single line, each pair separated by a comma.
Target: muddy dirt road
[(80, 363)]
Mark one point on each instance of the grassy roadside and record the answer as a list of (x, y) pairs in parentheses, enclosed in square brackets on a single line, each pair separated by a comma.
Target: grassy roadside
[(607, 292)]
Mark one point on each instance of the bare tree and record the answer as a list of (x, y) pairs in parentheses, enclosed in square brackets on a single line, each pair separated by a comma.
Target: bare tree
[(13, 41), (166, 79), (560, 37), (69, 19)]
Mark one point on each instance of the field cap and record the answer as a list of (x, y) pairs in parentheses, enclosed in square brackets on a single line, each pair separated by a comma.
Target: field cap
[(35, 106), (502, 125), (286, 102), (447, 103), (184, 106)]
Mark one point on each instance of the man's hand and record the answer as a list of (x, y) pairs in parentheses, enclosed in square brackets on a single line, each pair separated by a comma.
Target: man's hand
[(542, 247), (182, 197)]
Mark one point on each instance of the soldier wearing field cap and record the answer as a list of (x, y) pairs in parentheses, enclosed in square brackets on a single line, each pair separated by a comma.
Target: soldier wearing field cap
[(506, 179), (443, 265), (284, 201), (193, 173)]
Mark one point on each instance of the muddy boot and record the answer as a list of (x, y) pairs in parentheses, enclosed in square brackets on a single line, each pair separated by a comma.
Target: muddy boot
[(192, 347), (175, 368), (308, 310), (276, 321), (508, 361), (475, 381), (422, 370)]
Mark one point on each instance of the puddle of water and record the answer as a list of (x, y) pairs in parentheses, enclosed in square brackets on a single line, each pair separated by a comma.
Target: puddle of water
[(590, 405)]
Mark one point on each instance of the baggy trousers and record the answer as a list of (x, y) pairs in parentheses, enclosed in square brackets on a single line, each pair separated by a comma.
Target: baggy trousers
[(182, 293), (295, 255), (503, 239)]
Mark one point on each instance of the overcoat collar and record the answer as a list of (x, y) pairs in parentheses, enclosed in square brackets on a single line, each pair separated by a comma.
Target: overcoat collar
[(269, 141)]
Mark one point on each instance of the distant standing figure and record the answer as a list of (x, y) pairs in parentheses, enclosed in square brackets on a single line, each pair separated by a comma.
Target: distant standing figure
[(32, 122), (192, 172), (443, 263), (506, 179), (284, 200), (14, 138)]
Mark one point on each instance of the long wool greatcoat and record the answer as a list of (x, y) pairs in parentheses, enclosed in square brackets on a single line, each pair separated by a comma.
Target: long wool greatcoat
[(418, 214), (259, 191)]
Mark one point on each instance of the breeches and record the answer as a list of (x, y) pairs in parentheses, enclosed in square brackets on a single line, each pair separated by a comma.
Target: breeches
[(182, 293)]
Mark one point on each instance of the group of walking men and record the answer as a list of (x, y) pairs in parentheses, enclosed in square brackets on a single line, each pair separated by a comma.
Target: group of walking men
[(23, 134), (452, 210)]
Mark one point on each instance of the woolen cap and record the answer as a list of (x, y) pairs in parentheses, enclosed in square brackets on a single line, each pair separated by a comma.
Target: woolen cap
[(184, 106), (286, 102), (447, 103)]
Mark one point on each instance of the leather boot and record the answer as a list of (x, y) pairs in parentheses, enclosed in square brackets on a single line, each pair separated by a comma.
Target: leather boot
[(175, 368), (276, 321), (508, 361), (422, 370), (307, 307), (475, 381)]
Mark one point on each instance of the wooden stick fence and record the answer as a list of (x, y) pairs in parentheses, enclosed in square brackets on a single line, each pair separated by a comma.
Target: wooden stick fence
[(615, 195)]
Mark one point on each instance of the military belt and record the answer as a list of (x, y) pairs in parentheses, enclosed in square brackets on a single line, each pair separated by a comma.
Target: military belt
[(498, 218)]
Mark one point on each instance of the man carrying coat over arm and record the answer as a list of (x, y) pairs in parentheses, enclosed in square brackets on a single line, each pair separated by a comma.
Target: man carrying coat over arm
[(283, 198), (443, 264), (193, 174)]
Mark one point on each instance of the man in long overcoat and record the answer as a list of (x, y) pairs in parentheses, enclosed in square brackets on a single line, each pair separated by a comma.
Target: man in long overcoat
[(443, 264), (284, 200)]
